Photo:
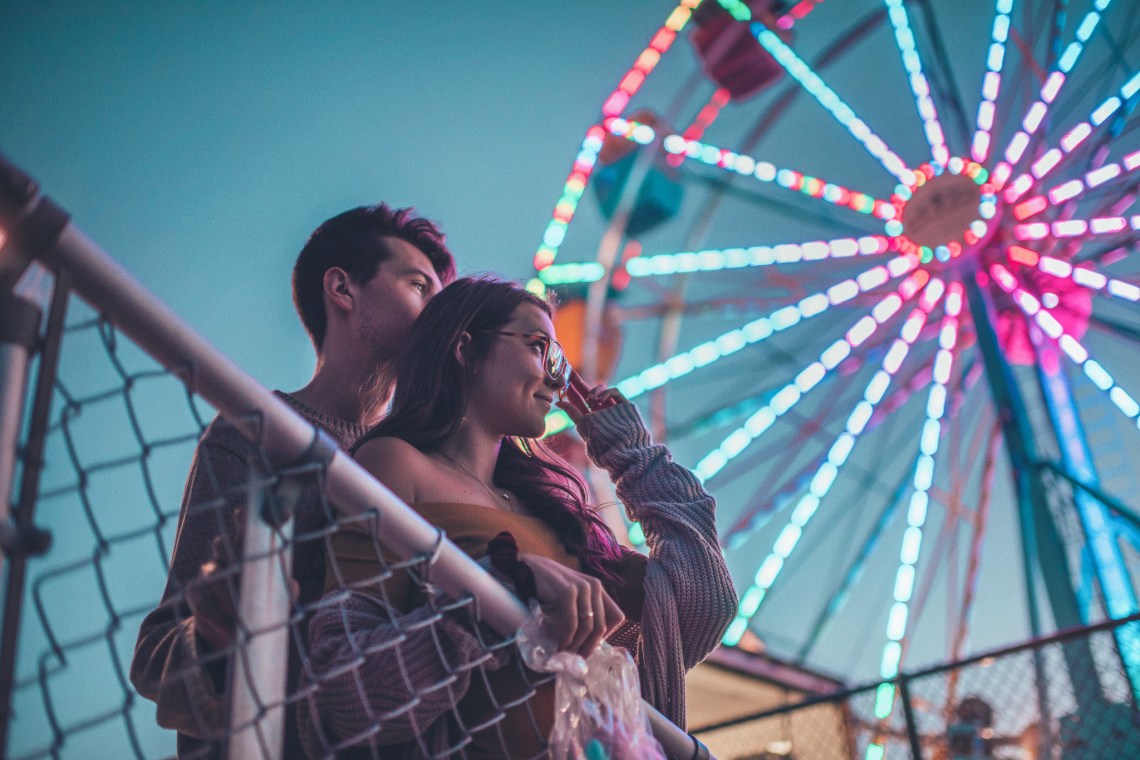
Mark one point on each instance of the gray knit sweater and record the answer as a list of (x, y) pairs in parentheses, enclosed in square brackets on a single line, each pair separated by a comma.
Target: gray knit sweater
[(689, 602), (172, 666)]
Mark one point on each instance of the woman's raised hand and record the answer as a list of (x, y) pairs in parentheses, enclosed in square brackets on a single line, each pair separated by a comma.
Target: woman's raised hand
[(577, 612), (580, 399)]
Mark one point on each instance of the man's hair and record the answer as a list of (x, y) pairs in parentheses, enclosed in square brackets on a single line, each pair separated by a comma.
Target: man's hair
[(355, 242)]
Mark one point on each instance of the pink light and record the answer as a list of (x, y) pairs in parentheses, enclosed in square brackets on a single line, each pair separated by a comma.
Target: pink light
[(1016, 147), (1076, 136), (1004, 278), (1001, 174), (1023, 255), (1043, 165), (1132, 160), (1108, 225), (1019, 187), (1102, 175), (954, 299), (1055, 267), (1089, 278), (1030, 207), (1051, 88), (981, 146), (1070, 228), (1064, 192), (986, 115), (1035, 231), (1026, 301), (1033, 118)]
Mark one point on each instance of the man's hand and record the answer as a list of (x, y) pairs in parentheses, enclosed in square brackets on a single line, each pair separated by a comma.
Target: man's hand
[(212, 598), (577, 612)]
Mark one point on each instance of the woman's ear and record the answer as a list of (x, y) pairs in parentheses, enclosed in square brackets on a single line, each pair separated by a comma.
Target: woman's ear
[(463, 350)]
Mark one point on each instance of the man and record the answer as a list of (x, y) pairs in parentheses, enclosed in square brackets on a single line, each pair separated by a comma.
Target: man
[(358, 284)]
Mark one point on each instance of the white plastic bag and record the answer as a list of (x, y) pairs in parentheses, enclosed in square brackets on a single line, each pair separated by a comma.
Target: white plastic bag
[(598, 713)]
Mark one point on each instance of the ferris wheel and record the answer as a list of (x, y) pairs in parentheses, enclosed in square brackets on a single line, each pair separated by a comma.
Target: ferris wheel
[(871, 269)]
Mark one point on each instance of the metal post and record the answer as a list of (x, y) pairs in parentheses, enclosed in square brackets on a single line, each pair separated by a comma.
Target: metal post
[(257, 413), (908, 714), (257, 714), (30, 539), (19, 330)]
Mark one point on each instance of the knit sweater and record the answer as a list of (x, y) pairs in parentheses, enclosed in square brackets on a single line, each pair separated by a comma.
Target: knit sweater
[(172, 665), (689, 600)]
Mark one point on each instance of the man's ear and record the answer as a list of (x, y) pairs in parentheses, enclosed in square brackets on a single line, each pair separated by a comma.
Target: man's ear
[(338, 288)]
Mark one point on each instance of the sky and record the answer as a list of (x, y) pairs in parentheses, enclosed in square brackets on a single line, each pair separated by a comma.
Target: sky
[(199, 144)]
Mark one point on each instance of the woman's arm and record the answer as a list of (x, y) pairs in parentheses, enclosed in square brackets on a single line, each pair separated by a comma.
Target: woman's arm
[(689, 595)]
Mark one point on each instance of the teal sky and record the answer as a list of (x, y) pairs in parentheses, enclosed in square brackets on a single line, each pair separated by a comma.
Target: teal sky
[(200, 143)]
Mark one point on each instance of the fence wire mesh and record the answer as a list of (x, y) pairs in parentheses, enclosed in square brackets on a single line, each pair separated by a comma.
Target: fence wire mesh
[(1063, 698), (121, 439)]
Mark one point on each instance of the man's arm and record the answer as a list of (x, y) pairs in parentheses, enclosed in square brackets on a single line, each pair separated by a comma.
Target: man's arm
[(178, 662)]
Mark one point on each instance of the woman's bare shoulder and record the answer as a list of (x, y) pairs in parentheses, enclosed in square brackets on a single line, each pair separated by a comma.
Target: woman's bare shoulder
[(394, 462)]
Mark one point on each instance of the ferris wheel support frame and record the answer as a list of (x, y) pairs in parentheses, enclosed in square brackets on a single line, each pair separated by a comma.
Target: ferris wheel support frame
[(1042, 548), (1101, 531)]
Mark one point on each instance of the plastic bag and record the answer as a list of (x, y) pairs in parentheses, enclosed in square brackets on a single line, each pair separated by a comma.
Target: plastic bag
[(598, 712)]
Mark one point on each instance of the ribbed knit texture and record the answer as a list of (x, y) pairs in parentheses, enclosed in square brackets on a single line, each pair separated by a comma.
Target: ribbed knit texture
[(689, 595), (689, 602), (171, 666)]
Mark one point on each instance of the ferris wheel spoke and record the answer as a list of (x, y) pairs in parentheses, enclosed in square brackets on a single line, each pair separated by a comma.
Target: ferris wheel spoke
[(763, 171), (827, 473), (919, 86), (760, 329), (716, 260), (1077, 228), (1036, 112), (826, 97), (808, 378), (1069, 345), (1071, 140), (1084, 276), (1075, 188), (991, 81), (918, 507)]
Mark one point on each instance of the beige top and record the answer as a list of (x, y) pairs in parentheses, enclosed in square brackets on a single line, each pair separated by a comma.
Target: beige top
[(471, 527)]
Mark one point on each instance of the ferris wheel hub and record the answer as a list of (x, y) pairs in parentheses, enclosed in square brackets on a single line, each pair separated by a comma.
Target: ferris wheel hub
[(946, 210)]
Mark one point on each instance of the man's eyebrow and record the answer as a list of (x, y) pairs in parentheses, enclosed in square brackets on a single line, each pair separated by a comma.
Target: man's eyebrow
[(413, 270)]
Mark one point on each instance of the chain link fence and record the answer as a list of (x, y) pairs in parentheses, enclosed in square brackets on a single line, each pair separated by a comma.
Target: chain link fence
[(118, 397), (1065, 697)]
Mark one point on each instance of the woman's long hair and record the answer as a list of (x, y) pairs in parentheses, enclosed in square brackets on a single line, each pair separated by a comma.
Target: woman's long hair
[(433, 389)]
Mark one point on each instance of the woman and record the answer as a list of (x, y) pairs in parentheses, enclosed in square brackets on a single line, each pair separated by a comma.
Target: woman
[(460, 446)]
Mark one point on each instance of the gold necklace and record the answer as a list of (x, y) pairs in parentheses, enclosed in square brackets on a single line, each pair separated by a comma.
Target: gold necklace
[(506, 496)]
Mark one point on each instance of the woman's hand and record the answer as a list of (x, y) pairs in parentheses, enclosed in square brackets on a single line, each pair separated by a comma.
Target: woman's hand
[(580, 399), (577, 612)]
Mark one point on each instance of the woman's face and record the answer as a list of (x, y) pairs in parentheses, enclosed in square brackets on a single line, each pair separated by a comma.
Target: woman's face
[(511, 393)]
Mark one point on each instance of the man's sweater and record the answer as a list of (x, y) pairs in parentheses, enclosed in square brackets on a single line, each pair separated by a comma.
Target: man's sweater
[(172, 665)]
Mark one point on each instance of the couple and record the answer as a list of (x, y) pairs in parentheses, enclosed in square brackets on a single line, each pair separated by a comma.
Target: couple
[(479, 373)]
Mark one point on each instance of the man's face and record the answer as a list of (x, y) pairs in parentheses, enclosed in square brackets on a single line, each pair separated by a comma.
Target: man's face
[(393, 298)]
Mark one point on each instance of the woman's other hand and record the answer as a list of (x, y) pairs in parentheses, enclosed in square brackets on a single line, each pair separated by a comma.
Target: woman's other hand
[(577, 612)]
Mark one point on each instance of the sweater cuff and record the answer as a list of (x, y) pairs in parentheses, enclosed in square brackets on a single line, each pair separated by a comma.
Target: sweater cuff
[(618, 427)]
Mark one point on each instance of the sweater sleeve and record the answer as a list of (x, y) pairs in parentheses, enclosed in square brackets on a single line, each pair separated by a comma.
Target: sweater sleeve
[(386, 665), (689, 595), (172, 666)]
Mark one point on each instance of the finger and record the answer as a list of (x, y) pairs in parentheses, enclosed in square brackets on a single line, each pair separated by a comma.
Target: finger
[(564, 615), (614, 617), (599, 628), (572, 411), (586, 615)]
